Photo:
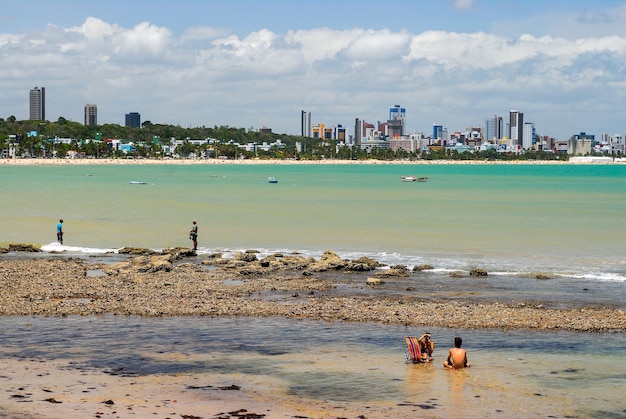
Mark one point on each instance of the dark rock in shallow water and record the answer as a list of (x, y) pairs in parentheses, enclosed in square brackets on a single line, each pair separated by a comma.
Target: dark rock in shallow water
[(373, 264), (357, 267), (246, 257), (23, 247), (478, 272), (135, 251), (424, 267), (392, 272)]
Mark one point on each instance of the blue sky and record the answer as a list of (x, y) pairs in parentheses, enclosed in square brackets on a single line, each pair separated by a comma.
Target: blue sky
[(258, 63)]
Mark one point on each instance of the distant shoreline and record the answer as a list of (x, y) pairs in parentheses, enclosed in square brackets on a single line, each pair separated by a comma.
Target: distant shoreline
[(43, 162)]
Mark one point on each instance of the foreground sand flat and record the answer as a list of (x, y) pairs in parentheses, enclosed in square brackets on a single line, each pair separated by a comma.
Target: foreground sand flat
[(35, 388), (59, 286)]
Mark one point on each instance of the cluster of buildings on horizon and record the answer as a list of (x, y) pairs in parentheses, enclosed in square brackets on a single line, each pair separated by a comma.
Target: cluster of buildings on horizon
[(511, 135)]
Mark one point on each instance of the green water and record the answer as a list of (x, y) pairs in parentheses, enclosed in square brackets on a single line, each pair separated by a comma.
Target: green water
[(543, 214)]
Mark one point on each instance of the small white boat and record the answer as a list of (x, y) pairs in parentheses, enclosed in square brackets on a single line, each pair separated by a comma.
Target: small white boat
[(272, 180), (413, 178), (137, 182)]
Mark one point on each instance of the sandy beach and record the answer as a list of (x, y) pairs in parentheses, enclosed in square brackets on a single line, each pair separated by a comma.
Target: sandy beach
[(43, 162)]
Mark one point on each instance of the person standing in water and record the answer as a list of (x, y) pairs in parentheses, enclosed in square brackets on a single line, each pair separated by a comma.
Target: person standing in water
[(457, 357), (193, 235), (60, 232)]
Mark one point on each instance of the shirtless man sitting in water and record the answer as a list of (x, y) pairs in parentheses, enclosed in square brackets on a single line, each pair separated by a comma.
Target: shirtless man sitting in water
[(457, 357)]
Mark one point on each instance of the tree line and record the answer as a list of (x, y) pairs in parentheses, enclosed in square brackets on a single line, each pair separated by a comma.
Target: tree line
[(42, 145)]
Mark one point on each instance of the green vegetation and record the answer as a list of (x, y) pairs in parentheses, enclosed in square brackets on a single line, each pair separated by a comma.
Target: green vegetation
[(148, 142)]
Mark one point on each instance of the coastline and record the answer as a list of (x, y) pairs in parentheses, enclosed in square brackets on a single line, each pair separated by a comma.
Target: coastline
[(44, 162)]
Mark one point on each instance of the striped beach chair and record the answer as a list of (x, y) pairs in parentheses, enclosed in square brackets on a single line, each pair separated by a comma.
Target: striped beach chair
[(412, 350)]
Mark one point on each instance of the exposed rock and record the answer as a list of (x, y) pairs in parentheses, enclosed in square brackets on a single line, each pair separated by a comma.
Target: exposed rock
[(542, 276), (478, 272), (179, 252), (58, 286), (358, 267), (392, 272), (457, 275), (248, 256), (295, 262), (23, 247), (373, 264), (329, 260), (423, 267), (374, 281), (143, 264), (136, 251)]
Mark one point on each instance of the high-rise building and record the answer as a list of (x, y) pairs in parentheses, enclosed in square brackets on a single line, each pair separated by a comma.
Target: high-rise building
[(91, 115), (437, 132), (494, 128), (396, 122), (528, 138), (516, 128), (133, 120), (38, 104), (305, 124)]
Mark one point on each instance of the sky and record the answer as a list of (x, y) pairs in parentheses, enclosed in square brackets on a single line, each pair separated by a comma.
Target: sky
[(254, 63)]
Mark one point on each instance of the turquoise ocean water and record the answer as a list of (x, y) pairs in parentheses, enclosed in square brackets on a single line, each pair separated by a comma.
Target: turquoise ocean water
[(514, 218), (566, 221)]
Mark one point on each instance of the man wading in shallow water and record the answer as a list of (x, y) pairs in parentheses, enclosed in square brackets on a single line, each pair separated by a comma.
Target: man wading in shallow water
[(60, 232), (193, 235)]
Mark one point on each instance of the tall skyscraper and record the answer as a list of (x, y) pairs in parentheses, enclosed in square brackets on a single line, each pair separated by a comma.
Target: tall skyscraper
[(133, 119), (494, 129), (305, 124), (516, 128), (396, 122), (437, 132), (528, 139), (91, 115), (38, 104)]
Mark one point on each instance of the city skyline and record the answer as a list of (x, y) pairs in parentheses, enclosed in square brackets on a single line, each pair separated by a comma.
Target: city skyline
[(245, 64)]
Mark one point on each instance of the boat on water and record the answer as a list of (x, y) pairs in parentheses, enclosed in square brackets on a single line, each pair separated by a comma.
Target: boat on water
[(137, 182), (413, 178), (272, 180)]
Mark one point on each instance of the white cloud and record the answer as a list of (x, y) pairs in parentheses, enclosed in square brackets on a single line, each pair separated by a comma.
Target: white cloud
[(463, 4), (203, 77)]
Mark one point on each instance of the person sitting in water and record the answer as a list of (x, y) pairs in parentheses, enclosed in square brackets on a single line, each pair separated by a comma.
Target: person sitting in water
[(457, 357), (427, 347)]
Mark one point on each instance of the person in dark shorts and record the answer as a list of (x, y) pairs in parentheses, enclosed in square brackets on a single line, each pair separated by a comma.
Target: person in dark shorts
[(60, 232), (193, 235)]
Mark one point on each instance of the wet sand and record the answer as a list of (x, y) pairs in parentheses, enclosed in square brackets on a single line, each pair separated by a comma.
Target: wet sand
[(52, 389)]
